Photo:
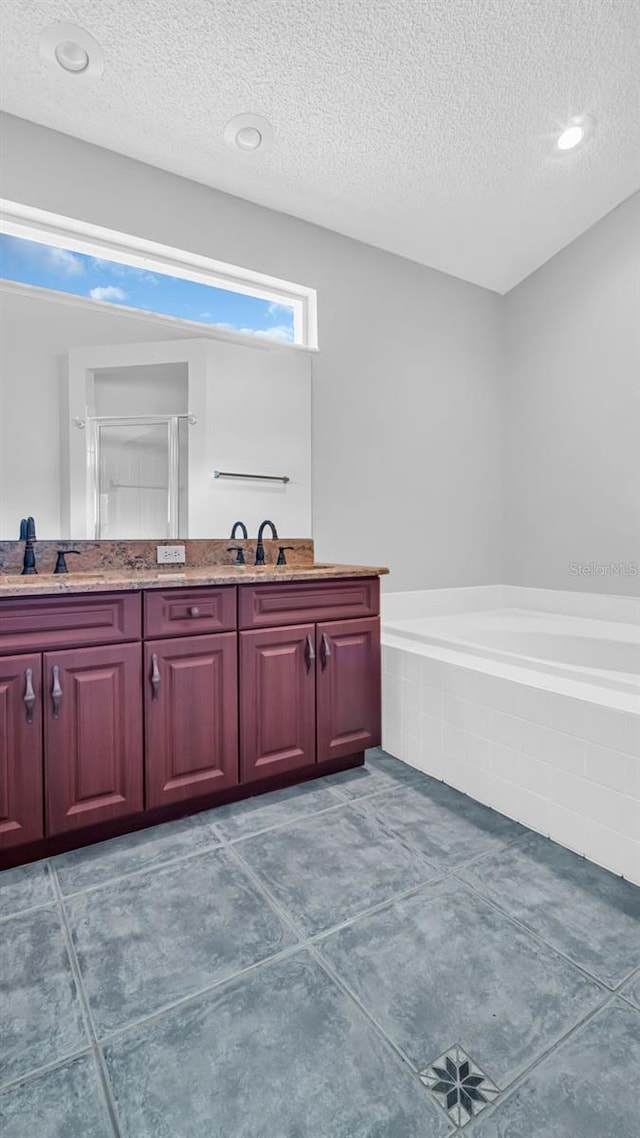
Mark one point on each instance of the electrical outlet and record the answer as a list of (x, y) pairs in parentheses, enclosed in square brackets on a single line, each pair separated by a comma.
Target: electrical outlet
[(170, 555)]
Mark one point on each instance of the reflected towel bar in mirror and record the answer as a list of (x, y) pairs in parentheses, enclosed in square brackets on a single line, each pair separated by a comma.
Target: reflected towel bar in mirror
[(81, 423), (253, 477)]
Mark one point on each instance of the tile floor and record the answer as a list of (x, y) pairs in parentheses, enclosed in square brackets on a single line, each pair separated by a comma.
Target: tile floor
[(373, 955)]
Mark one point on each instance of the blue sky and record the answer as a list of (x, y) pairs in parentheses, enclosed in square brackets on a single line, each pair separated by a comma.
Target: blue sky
[(30, 262)]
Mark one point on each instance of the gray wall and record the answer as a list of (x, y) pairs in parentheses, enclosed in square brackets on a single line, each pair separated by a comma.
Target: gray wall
[(407, 430), (572, 412)]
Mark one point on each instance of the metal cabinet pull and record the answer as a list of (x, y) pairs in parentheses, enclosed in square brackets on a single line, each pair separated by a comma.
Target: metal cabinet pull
[(155, 679), (56, 692), (194, 611), (29, 694), (325, 651), (309, 653)]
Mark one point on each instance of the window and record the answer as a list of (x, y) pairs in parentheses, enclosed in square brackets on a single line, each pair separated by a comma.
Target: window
[(53, 253)]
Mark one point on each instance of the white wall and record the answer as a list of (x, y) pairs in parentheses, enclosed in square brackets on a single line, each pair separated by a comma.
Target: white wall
[(572, 412), (407, 432)]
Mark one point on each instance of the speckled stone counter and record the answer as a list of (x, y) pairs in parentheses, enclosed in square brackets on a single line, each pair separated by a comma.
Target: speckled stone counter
[(119, 580)]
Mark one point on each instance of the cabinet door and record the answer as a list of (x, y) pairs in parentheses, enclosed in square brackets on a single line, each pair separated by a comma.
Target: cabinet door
[(93, 735), (20, 750), (191, 706), (348, 687), (277, 701)]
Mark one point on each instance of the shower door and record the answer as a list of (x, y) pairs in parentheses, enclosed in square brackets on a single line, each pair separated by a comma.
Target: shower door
[(138, 476)]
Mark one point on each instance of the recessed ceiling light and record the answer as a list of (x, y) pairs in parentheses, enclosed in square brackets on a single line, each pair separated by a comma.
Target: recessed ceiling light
[(248, 133), (72, 56), (71, 48), (574, 133)]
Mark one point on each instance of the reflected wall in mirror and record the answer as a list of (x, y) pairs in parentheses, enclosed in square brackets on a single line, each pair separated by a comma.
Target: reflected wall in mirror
[(112, 424)]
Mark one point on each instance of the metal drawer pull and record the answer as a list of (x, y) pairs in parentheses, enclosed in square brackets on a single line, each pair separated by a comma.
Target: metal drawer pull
[(155, 679), (309, 653), (194, 611), (56, 692), (325, 651), (29, 694)]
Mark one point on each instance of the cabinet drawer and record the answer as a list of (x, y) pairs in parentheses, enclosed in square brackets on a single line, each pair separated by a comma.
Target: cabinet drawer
[(179, 611), (297, 602), (68, 621)]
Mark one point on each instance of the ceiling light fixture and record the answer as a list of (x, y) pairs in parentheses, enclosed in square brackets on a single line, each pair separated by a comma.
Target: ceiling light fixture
[(71, 48), (577, 129), (248, 133)]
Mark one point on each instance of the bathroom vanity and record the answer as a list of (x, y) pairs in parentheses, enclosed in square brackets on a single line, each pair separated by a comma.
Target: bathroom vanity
[(134, 698)]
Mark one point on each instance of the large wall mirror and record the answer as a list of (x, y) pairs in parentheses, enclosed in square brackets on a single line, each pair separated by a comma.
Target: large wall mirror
[(116, 424)]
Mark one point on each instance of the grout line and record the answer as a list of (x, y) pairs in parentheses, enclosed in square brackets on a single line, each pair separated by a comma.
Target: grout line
[(35, 1072), (538, 937), (398, 1053), (26, 912), (207, 848), (339, 804), (194, 997), (511, 1088), (103, 1076)]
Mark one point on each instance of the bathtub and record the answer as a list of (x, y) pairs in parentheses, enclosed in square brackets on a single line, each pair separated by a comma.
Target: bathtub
[(534, 711)]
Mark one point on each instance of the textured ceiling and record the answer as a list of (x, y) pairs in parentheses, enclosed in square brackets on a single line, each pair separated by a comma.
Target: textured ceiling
[(424, 127)]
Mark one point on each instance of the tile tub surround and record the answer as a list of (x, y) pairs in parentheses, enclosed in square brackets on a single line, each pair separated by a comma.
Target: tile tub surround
[(566, 767), (336, 1033)]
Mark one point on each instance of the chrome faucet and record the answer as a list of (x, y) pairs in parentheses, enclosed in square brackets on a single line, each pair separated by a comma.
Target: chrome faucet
[(260, 547)]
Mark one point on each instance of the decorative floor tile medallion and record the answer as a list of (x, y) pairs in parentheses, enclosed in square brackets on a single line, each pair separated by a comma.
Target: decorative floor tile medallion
[(459, 1085)]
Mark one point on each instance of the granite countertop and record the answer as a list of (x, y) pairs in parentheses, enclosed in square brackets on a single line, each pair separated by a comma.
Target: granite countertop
[(119, 580)]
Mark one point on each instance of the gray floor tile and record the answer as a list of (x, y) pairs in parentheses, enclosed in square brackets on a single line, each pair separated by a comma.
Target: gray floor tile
[(64, 1103), (632, 991), (93, 865), (444, 967), (395, 770), (40, 1015), (240, 819), (327, 869), (588, 914), (285, 1054), (357, 783), (588, 1087), (25, 887), (448, 827), (145, 941)]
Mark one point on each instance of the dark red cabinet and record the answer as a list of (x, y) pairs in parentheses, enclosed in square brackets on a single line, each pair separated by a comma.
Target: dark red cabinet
[(277, 700), (20, 750), (191, 709), (93, 735), (348, 687), (149, 703)]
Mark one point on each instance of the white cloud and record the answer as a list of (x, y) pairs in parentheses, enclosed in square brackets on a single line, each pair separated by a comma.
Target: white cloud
[(280, 332), (116, 269), (276, 309), (108, 292), (66, 262)]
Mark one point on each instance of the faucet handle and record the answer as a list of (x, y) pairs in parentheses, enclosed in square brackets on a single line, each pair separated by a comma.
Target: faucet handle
[(61, 565), (282, 559), (239, 552)]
